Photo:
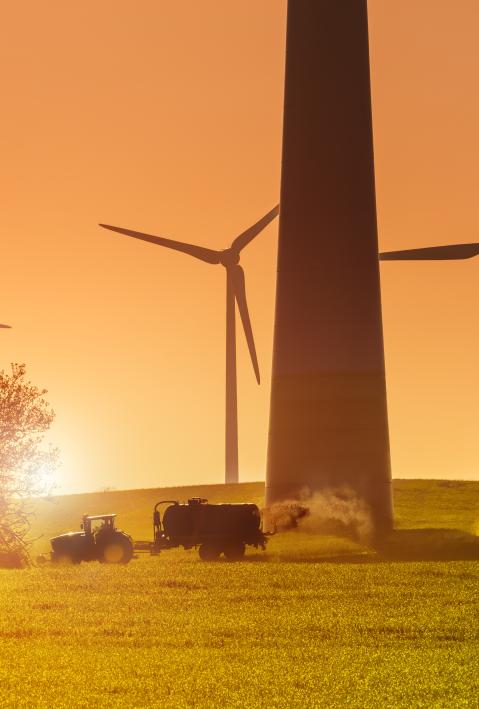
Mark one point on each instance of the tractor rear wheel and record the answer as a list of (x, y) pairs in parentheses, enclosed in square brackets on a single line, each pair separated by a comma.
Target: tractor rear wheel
[(116, 551), (209, 552), (234, 551)]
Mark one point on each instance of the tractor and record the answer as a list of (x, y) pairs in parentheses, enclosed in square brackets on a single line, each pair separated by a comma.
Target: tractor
[(99, 540)]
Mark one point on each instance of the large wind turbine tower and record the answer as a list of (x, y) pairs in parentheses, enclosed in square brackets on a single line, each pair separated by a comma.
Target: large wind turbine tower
[(328, 420)]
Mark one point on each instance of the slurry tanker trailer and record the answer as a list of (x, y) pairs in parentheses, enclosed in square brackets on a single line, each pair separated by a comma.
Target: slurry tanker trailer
[(216, 529)]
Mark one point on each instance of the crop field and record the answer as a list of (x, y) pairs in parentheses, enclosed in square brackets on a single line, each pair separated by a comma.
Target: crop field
[(314, 621)]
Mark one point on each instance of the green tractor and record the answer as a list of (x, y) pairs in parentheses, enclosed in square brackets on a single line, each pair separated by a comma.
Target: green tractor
[(99, 540)]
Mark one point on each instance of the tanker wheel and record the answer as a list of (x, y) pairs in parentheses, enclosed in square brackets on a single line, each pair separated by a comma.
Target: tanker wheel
[(234, 551), (209, 552), (118, 551)]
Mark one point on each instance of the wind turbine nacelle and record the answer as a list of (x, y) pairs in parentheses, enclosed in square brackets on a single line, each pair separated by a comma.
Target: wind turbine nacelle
[(229, 257)]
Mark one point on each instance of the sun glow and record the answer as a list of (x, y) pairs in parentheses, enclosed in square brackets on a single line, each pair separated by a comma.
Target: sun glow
[(46, 479)]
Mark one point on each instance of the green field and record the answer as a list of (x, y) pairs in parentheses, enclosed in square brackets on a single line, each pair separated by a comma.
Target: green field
[(312, 622)]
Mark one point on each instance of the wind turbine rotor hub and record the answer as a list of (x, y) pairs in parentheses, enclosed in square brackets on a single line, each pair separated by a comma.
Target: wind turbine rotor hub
[(229, 257)]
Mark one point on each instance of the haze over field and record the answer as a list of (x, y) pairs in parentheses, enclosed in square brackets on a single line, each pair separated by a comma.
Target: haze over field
[(137, 118)]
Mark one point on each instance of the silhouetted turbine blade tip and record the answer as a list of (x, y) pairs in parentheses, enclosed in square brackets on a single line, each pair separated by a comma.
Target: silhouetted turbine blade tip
[(199, 252), (433, 253), (246, 236)]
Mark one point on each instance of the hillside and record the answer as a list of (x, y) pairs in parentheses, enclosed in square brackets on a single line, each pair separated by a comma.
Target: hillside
[(418, 504)]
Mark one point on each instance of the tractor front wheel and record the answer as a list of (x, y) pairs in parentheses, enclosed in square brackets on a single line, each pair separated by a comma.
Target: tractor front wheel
[(64, 558)]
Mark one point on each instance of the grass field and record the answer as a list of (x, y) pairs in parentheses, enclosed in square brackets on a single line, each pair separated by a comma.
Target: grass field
[(312, 622)]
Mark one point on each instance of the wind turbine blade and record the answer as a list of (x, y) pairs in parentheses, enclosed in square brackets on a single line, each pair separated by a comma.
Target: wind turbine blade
[(243, 239), (237, 276), (6, 326), (208, 255), (433, 253)]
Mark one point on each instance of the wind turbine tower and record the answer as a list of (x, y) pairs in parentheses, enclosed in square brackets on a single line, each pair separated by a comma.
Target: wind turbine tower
[(328, 417)]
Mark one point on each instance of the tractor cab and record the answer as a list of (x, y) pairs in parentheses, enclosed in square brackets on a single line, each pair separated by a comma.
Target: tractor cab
[(92, 524)]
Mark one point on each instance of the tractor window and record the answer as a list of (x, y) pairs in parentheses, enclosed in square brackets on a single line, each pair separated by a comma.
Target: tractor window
[(98, 524)]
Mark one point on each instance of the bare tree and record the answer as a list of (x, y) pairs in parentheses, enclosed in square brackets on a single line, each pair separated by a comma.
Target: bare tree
[(26, 462)]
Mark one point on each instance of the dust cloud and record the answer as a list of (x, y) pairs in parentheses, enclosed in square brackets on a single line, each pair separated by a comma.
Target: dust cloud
[(337, 511)]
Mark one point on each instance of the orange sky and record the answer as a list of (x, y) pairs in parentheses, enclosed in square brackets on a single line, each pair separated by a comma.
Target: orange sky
[(166, 117)]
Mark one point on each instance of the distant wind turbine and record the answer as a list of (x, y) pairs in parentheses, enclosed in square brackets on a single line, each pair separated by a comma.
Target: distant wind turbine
[(235, 291), (433, 253)]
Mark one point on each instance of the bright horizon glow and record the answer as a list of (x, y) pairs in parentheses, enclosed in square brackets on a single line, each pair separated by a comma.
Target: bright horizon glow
[(59, 491)]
